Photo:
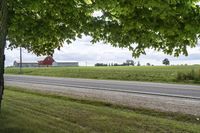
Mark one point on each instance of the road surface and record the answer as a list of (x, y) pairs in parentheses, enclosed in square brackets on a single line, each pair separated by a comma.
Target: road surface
[(156, 96), (159, 89)]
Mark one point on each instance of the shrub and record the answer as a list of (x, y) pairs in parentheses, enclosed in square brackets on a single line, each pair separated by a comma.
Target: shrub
[(192, 75)]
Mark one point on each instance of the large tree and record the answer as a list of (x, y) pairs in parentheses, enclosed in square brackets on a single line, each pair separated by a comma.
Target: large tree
[(41, 26), (166, 62), (3, 33)]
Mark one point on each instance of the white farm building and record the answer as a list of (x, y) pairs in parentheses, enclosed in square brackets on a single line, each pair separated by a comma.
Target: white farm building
[(65, 64), (25, 64)]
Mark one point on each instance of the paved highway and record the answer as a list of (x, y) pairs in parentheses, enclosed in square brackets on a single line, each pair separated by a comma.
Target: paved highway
[(159, 89)]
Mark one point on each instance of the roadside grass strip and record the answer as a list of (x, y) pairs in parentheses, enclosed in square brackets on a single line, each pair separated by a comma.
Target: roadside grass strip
[(25, 111)]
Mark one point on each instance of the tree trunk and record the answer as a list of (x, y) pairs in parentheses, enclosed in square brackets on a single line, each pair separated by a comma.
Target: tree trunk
[(3, 34)]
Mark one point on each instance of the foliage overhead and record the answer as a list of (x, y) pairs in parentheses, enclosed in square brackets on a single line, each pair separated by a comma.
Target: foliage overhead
[(164, 25)]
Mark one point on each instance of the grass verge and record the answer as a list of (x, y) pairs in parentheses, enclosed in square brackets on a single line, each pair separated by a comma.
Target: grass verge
[(25, 111)]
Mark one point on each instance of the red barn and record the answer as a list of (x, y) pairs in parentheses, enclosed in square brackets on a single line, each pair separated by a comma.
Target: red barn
[(48, 61)]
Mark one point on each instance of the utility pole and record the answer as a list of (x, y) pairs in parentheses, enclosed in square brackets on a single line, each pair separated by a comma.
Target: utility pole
[(20, 64)]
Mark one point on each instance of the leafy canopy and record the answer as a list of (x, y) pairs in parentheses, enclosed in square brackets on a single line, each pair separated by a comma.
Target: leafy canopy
[(44, 25)]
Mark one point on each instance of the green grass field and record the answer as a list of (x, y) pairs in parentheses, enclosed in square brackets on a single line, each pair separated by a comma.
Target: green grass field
[(35, 112), (142, 73)]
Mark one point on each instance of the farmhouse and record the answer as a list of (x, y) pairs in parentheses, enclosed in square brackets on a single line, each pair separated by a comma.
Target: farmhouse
[(47, 62)]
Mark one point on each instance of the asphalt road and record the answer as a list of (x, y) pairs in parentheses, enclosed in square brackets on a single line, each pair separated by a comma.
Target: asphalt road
[(159, 89)]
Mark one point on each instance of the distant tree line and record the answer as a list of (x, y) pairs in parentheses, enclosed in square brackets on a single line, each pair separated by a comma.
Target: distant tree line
[(101, 64), (132, 63), (127, 63)]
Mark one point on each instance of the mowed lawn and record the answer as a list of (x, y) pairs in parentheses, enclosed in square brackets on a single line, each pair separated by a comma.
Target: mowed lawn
[(136, 73), (34, 112)]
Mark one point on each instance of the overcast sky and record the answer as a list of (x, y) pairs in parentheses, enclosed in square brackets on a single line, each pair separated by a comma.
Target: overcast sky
[(88, 54)]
